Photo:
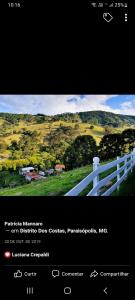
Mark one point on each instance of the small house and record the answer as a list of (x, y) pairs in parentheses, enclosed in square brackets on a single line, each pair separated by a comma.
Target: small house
[(23, 171), (32, 176), (49, 172), (41, 173), (59, 167)]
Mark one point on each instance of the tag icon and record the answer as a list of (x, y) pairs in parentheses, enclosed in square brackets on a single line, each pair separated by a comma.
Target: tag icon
[(107, 17)]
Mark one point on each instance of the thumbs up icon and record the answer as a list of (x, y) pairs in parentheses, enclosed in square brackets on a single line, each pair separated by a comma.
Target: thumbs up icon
[(18, 274)]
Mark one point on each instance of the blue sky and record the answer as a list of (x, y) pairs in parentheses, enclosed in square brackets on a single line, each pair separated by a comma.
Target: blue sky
[(54, 104)]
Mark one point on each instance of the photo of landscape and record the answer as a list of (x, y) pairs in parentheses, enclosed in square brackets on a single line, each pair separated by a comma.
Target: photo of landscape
[(67, 145)]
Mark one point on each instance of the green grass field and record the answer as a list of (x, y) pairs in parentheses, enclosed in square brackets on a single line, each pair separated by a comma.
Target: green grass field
[(57, 185), (50, 186), (127, 188)]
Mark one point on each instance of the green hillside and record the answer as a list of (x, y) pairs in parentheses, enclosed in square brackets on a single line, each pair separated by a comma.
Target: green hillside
[(53, 186), (106, 118), (12, 126), (98, 117), (44, 141), (44, 129)]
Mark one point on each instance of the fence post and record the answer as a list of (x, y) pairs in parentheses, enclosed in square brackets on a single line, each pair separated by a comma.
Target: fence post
[(96, 164), (132, 161), (125, 169), (133, 153), (118, 175)]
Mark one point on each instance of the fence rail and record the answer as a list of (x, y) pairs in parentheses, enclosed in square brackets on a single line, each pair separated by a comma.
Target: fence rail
[(127, 161)]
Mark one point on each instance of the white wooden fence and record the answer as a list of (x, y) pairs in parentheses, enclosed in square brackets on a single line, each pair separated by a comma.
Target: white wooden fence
[(123, 165)]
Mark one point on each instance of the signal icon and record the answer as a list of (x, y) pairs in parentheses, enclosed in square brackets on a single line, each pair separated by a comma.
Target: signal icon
[(111, 5)]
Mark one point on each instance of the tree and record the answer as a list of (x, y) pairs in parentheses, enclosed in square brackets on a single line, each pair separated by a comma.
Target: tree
[(128, 136), (108, 129), (59, 140), (16, 154), (111, 146), (77, 126), (29, 118), (13, 146), (60, 150), (81, 152), (28, 143), (95, 121)]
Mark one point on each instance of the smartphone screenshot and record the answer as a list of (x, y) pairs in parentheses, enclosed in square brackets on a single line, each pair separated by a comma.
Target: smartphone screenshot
[(67, 169), (67, 150)]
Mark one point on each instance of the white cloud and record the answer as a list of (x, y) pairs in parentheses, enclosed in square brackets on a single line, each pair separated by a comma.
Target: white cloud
[(126, 108), (126, 105), (53, 104)]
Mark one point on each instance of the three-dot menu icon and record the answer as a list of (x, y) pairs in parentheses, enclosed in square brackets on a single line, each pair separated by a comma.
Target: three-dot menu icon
[(126, 17)]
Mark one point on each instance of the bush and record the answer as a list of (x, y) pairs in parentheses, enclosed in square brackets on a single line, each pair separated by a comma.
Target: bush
[(10, 179)]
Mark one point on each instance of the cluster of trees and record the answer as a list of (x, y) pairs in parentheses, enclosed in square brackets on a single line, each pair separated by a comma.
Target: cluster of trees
[(94, 117), (59, 140), (81, 152), (61, 146), (106, 118), (111, 146), (6, 129), (84, 148), (67, 117), (117, 144), (15, 118), (41, 161), (27, 144)]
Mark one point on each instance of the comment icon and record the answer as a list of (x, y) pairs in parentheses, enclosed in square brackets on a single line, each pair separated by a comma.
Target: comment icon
[(55, 273)]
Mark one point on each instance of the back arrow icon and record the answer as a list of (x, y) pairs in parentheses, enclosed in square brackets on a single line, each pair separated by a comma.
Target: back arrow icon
[(105, 291)]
